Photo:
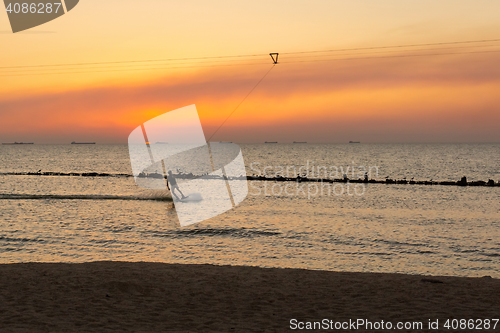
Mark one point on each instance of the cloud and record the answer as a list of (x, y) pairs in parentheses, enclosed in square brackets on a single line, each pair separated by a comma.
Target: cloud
[(441, 98)]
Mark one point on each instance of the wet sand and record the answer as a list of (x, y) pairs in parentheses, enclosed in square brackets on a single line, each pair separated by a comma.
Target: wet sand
[(156, 297)]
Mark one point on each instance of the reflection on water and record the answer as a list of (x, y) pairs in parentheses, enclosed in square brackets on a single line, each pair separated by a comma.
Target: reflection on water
[(398, 228)]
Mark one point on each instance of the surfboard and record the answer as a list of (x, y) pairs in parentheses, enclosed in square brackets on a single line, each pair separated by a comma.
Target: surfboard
[(192, 197)]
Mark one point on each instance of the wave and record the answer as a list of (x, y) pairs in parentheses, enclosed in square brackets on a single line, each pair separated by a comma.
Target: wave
[(81, 197), (211, 232), (21, 240), (68, 174)]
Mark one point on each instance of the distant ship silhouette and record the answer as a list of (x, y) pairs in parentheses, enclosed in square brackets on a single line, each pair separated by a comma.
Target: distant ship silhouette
[(19, 143), (82, 143), (354, 142), (271, 142)]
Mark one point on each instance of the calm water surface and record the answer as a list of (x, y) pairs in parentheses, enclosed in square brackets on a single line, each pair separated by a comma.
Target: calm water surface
[(380, 228)]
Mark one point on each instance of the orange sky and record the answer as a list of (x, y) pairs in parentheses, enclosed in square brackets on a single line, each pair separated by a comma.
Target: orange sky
[(384, 95)]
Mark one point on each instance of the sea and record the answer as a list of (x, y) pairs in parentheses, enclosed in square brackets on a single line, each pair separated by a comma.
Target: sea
[(386, 228)]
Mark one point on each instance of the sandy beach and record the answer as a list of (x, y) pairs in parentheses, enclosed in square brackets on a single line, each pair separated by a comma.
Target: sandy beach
[(157, 297)]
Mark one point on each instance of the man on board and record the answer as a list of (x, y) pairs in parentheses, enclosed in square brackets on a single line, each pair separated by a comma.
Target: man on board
[(173, 185)]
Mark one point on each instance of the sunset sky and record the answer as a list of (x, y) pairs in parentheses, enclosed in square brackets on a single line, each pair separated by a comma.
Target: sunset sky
[(359, 91)]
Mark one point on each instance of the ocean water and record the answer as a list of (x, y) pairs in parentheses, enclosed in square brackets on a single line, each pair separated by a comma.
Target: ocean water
[(413, 229)]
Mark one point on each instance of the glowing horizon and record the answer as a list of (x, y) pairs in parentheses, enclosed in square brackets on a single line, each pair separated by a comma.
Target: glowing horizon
[(395, 95)]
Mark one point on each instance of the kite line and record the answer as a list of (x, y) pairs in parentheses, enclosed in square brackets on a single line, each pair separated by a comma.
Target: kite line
[(274, 56)]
